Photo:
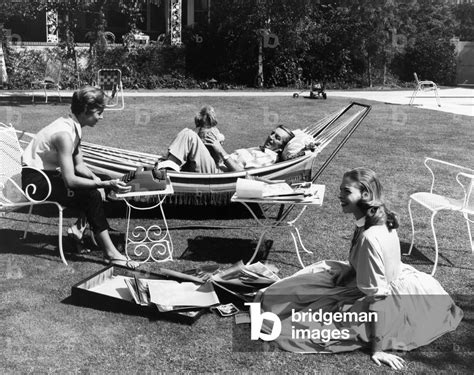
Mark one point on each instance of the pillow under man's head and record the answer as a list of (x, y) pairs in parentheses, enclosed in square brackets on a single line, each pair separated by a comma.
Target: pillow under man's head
[(298, 145)]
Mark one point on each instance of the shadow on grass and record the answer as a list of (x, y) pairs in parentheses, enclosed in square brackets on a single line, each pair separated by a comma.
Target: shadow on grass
[(224, 250), (36, 245), (51, 211), (417, 258), (187, 212), (117, 209)]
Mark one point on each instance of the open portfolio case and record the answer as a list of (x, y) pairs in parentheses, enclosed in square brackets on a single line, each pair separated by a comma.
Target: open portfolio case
[(181, 296), (107, 290)]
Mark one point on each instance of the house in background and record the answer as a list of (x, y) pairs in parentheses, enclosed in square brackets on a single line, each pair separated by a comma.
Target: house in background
[(159, 17)]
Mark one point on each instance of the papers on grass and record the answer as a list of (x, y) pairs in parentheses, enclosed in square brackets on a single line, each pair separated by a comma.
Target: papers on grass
[(228, 309), (242, 281), (170, 295), (139, 290), (255, 274)]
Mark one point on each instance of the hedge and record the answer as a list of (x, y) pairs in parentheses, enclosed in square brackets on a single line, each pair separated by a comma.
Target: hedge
[(147, 67)]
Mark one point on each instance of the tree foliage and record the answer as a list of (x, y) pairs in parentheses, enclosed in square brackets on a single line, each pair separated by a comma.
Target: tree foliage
[(348, 42), (465, 14), (431, 58)]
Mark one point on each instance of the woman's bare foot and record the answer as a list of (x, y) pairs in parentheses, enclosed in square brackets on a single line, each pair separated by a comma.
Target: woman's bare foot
[(115, 258)]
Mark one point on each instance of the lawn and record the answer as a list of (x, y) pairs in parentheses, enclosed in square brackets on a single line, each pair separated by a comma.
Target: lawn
[(42, 332)]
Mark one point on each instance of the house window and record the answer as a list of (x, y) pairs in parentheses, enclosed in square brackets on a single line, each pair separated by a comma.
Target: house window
[(201, 11)]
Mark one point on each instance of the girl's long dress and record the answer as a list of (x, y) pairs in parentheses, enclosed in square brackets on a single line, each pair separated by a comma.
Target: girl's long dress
[(413, 306)]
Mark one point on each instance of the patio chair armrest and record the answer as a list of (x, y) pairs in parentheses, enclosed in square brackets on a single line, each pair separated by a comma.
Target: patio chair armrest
[(467, 187), (429, 160), (467, 175), (31, 188)]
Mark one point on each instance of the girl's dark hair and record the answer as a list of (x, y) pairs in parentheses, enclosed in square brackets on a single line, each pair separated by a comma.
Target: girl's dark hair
[(206, 116), (372, 201), (87, 99)]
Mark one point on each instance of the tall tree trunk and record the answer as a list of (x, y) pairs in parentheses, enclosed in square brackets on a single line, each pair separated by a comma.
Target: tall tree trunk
[(369, 70), (3, 67), (260, 62)]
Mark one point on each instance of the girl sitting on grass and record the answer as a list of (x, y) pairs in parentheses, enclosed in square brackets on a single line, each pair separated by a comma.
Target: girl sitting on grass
[(384, 304)]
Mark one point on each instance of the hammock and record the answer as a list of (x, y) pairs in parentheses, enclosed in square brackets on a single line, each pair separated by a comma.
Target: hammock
[(216, 189)]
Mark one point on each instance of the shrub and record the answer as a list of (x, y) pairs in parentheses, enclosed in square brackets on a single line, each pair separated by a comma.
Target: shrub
[(147, 67), (430, 58)]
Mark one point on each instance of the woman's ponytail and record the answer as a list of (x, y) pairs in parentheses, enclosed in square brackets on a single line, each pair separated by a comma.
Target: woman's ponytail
[(392, 219)]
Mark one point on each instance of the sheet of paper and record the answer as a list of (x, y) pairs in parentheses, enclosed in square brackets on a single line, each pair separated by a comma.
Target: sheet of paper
[(282, 188), (262, 270), (173, 293), (246, 188), (249, 188), (249, 277), (114, 287)]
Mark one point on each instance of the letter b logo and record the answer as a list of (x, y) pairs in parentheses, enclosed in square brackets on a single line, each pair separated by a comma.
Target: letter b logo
[(256, 322)]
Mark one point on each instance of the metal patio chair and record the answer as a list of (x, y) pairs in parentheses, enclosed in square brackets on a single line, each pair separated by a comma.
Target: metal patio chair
[(437, 202), (52, 78), (12, 196), (110, 81), (424, 86)]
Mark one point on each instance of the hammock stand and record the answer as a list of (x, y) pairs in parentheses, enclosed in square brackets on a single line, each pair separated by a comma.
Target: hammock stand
[(217, 189)]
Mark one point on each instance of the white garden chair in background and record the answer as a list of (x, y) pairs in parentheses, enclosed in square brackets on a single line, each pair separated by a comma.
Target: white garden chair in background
[(437, 202), (12, 196), (52, 77), (424, 86)]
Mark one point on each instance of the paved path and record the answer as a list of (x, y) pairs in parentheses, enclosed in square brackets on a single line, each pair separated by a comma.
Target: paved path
[(453, 100)]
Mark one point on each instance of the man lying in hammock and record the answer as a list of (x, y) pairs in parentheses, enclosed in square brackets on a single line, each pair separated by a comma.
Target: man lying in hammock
[(191, 154)]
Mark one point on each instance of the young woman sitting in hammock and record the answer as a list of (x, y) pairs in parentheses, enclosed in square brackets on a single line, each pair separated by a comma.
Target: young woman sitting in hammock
[(191, 154)]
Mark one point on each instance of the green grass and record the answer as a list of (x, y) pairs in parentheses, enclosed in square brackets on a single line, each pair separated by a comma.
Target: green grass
[(42, 333)]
